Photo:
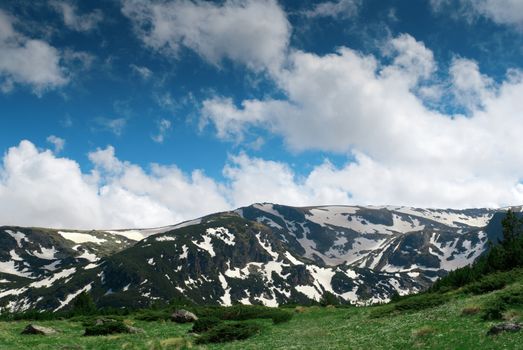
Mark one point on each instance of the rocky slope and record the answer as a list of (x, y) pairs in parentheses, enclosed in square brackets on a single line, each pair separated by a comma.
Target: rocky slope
[(265, 253)]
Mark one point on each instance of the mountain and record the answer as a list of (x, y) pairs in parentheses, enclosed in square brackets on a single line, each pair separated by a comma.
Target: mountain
[(264, 253)]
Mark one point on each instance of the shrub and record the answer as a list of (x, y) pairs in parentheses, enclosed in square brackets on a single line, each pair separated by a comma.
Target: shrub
[(245, 312), (488, 284), (204, 324), (281, 317), (494, 310), (512, 297), (227, 332), (83, 304), (153, 315), (420, 302), (108, 327)]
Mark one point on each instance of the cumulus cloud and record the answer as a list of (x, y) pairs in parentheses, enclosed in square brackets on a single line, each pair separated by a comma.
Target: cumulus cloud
[(469, 86), (251, 32), (27, 61), (57, 142), (505, 12), (335, 9), (164, 126), (37, 188), (404, 151), (71, 18)]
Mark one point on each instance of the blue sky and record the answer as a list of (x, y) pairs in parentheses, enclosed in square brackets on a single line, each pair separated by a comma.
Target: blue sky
[(143, 113)]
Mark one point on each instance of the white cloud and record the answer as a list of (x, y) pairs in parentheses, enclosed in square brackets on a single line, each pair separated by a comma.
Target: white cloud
[(144, 72), (164, 126), (73, 20), (506, 12), (57, 142), (252, 32), (37, 188), (336, 9), (470, 87), (27, 61), (405, 152), (114, 125)]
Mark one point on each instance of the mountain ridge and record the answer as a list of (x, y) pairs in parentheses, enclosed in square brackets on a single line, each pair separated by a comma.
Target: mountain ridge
[(263, 253)]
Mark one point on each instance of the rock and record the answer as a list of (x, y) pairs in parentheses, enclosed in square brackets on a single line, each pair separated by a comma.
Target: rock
[(504, 327), (183, 316), (101, 321), (134, 330), (34, 329)]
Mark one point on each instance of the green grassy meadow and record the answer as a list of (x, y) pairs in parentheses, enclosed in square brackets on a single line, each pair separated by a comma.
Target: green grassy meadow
[(440, 327)]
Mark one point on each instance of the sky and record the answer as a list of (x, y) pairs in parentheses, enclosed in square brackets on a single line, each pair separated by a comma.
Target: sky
[(134, 113)]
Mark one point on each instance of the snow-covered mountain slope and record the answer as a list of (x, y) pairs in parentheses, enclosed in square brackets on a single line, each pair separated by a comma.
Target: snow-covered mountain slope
[(265, 253), (33, 253), (388, 239)]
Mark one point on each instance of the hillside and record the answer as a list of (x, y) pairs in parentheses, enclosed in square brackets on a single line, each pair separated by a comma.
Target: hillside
[(262, 254), (454, 324)]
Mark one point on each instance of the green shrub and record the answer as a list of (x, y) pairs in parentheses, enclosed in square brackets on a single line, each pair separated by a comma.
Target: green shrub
[(245, 312), (153, 315), (488, 284), (494, 310), (227, 332), (204, 324), (281, 317), (420, 302), (512, 296), (83, 304), (108, 327)]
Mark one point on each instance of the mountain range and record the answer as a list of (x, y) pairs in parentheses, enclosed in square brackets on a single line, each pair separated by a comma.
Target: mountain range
[(260, 254)]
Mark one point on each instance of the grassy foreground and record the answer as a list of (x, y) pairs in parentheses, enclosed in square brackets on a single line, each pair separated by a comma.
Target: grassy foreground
[(440, 327)]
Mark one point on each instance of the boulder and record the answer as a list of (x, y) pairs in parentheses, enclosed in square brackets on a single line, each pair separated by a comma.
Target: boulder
[(504, 327), (183, 316), (39, 330)]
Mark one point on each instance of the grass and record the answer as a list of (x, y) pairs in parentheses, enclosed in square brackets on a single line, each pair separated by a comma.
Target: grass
[(442, 326)]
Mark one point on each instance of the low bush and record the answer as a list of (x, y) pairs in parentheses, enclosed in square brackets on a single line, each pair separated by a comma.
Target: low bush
[(281, 317), (410, 303), (108, 327), (245, 312), (153, 315), (420, 302), (204, 324), (488, 284), (494, 310), (226, 332)]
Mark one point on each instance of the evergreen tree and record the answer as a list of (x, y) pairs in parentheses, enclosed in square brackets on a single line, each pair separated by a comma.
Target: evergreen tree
[(83, 304)]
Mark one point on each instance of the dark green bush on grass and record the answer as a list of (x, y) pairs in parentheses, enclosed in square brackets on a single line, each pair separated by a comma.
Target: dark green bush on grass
[(420, 302), (489, 283), (410, 303), (108, 327), (83, 304), (494, 310), (245, 312), (226, 332), (153, 315), (204, 324), (281, 317)]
